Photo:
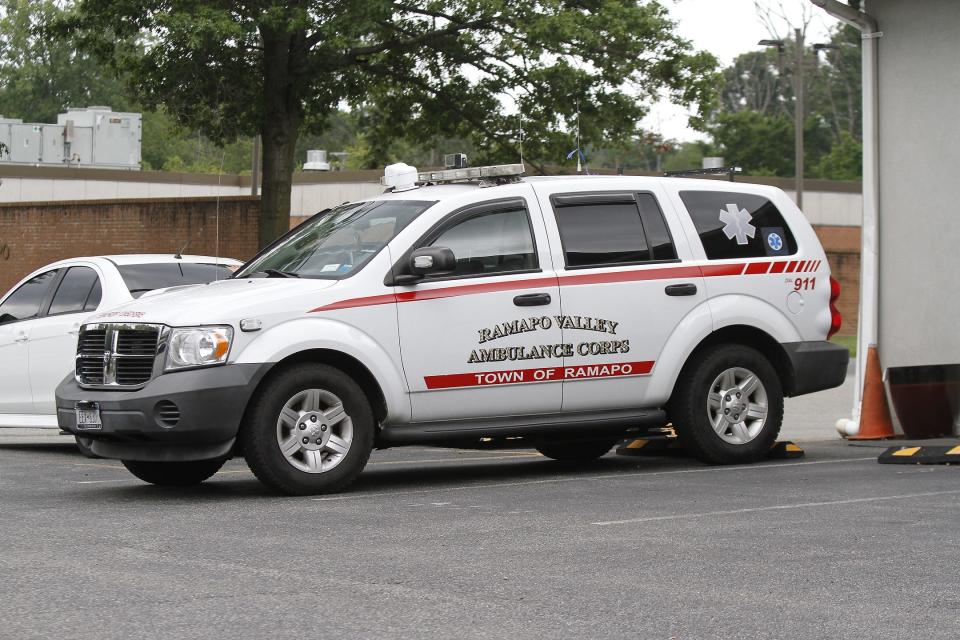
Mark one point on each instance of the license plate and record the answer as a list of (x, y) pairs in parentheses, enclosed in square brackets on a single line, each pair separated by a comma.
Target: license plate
[(88, 416)]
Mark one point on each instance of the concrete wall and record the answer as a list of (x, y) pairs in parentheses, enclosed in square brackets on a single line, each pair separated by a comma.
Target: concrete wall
[(827, 202), (919, 87), (312, 192)]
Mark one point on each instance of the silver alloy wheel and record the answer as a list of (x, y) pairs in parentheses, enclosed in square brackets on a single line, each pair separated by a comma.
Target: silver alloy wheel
[(737, 405), (314, 431)]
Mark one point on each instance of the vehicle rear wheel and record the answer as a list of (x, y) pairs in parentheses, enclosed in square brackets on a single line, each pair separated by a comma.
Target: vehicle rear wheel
[(309, 431), (728, 405), (575, 450), (174, 474)]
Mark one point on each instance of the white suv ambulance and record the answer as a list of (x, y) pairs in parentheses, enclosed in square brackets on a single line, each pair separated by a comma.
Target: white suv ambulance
[(469, 304)]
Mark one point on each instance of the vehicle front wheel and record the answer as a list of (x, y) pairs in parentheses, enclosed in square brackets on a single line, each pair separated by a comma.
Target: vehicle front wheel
[(309, 431), (728, 405), (174, 474), (575, 450)]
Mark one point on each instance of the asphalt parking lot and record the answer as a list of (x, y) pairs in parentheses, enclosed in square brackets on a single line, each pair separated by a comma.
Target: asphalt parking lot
[(483, 544)]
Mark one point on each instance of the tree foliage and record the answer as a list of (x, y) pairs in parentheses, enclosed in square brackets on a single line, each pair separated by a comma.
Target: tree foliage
[(753, 125), (40, 77), (416, 68)]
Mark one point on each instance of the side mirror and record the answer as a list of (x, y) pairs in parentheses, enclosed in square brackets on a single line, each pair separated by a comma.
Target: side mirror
[(427, 261)]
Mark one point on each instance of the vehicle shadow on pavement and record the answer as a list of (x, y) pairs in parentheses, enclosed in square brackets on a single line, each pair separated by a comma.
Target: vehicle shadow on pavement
[(235, 483)]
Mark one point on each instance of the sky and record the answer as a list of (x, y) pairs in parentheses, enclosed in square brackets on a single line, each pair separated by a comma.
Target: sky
[(727, 28)]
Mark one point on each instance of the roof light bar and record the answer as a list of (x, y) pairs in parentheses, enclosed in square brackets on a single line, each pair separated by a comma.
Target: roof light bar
[(472, 173)]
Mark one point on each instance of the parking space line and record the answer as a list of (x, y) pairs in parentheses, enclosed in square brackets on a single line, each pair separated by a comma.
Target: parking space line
[(609, 476), (777, 507), (101, 466)]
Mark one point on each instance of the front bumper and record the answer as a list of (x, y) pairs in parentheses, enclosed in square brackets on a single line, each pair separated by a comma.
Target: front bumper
[(211, 403), (816, 365)]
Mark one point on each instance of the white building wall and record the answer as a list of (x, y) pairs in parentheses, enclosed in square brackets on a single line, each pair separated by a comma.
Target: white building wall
[(919, 218)]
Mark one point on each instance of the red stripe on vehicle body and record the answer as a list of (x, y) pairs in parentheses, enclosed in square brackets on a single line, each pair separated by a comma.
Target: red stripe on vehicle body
[(544, 374), (610, 277)]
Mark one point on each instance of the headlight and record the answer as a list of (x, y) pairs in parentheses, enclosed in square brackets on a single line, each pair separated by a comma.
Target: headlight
[(198, 347)]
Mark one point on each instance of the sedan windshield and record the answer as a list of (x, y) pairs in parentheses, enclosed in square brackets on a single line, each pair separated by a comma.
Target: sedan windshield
[(336, 243)]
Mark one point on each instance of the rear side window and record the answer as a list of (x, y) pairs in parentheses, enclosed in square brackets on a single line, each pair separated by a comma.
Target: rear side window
[(25, 302), (738, 225), (75, 291), (611, 229), (141, 278)]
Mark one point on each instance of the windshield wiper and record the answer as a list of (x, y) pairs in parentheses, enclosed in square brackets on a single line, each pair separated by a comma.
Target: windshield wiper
[(277, 273)]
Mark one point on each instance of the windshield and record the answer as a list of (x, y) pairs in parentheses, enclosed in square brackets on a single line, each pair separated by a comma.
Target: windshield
[(141, 278), (336, 243)]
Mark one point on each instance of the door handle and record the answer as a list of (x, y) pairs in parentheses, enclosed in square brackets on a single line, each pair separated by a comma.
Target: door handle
[(686, 289), (20, 337), (532, 299)]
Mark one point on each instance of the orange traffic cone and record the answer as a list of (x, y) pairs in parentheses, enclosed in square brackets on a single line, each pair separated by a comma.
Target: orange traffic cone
[(875, 420)]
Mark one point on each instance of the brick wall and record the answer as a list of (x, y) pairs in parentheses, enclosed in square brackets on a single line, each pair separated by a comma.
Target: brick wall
[(37, 233), (842, 245)]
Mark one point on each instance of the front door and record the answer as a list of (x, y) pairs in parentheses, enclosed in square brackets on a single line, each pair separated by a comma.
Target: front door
[(483, 341), (17, 315), (53, 338)]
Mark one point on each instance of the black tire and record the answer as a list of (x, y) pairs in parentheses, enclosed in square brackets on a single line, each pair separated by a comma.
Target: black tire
[(575, 450), (259, 430), (84, 450), (690, 414), (174, 474)]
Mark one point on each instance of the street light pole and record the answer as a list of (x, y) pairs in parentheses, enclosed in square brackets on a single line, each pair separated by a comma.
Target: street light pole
[(798, 116)]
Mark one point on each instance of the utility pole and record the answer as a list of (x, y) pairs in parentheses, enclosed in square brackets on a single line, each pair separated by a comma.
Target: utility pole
[(798, 115)]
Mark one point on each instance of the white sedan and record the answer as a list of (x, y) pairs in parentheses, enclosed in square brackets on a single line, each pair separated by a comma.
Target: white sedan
[(41, 315)]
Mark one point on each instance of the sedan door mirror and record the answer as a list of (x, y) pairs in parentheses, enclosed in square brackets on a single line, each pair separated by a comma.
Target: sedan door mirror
[(432, 261)]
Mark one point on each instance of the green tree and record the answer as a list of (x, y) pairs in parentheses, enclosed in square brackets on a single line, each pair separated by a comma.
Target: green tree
[(40, 77), (420, 68), (843, 162)]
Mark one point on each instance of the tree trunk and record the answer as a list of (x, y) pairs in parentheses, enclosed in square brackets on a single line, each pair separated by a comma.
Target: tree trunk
[(280, 125)]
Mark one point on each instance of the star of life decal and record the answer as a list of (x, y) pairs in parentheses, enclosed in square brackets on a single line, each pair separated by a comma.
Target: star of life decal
[(737, 223)]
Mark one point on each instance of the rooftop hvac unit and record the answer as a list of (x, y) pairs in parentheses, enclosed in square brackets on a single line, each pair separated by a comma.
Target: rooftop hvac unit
[(316, 161)]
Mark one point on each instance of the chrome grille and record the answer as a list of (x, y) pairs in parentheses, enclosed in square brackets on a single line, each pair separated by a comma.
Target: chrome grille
[(117, 355)]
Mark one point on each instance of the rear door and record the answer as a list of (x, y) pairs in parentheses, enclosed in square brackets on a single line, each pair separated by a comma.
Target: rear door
[(482, 341), (624, 291), (17, 315), (53, 338)]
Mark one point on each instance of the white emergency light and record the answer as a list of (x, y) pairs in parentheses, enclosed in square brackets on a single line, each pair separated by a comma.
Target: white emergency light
[(399, 176)]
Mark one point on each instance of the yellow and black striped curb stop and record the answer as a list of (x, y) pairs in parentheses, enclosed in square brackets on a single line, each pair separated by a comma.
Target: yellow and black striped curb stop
[(921, 455), (671, 447)]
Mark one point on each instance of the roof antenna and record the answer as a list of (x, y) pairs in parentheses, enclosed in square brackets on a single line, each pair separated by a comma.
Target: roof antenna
[(520, 115), (579, 152), (216, 244), (179, 255)]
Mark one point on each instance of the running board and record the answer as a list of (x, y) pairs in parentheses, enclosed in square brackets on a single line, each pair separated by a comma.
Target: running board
[(581, 425)]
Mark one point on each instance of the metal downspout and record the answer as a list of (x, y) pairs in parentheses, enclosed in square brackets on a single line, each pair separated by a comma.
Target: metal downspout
[(870, 239)]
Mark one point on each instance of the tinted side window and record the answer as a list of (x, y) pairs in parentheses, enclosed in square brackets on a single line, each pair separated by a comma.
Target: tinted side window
[(738, 225), (74, 291), (658, 236), (141, 278), (490, 243), (93, 300), (610, 229), (25, 302)]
